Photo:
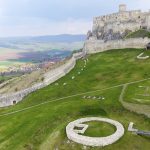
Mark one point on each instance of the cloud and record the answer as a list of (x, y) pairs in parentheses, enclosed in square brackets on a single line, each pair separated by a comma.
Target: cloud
[(40, 17), (34, 27), (139, 4)]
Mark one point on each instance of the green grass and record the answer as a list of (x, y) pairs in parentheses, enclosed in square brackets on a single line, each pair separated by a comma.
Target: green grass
[(99, 129), (43, 127), (140, 33), (138, 93)]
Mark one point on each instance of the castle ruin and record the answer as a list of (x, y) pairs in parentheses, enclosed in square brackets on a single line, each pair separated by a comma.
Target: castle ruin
[(110, 31), (118, 25)]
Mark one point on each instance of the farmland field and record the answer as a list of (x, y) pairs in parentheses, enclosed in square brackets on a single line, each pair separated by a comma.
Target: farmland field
[(10, 57), (17, 51)]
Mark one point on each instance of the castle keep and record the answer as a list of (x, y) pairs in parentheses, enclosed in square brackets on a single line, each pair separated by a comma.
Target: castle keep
[(118, 25)]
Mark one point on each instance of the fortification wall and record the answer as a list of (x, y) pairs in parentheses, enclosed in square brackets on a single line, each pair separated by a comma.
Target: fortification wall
[(117, 25), (95, 46), (122, 27), (123, 16), (50, 77)]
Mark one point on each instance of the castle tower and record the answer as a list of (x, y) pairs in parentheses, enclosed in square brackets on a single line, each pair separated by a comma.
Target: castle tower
[(122, 8)]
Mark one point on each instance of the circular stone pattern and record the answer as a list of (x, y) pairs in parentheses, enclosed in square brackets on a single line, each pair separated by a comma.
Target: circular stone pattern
[(75, 128)]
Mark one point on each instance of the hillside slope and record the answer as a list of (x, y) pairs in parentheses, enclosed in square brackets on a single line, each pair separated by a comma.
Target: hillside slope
[(39, 121)]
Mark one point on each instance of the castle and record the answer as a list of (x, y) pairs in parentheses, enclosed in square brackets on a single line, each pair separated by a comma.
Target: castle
[(118, 25), (110, 31)]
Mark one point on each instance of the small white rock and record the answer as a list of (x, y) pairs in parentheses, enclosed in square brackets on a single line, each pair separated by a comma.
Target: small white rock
[(64, 84)]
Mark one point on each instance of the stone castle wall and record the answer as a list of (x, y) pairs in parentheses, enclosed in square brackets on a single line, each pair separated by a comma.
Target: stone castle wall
[(117, 25), (121, 18), (50, 77), (95, 46)]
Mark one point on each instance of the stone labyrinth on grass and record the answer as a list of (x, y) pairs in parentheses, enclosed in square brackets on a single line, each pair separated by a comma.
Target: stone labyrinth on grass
[(78, 127)]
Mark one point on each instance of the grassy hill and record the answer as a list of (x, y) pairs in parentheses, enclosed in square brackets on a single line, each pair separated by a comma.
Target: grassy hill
[(38, 122), (140, 33)]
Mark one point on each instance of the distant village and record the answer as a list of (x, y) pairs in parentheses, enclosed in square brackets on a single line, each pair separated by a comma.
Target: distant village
[(33, 61), (24, 68)]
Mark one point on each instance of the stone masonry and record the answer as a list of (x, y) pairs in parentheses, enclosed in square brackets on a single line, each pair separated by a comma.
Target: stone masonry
[(95, 46), (109, 31), (118, 25), (75, 135)]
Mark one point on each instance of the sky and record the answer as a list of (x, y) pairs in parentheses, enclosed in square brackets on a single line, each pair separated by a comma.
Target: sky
[(52, 17)]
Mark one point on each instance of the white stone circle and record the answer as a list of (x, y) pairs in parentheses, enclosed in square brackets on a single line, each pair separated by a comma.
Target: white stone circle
[(73, 134)]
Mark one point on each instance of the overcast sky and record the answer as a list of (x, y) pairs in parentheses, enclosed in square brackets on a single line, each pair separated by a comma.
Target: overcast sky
[(49, 17)]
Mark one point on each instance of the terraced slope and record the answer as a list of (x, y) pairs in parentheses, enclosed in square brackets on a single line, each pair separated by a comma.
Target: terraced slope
[(38, 122)]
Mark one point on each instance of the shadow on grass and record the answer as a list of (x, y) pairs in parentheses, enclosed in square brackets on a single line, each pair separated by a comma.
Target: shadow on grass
[(90, 110)]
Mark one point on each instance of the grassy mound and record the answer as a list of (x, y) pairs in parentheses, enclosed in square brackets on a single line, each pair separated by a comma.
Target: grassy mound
[(38, 122), (138, 34)]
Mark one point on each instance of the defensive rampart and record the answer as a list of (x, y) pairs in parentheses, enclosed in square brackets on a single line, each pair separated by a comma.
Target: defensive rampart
[(95, 46), (50, 77)]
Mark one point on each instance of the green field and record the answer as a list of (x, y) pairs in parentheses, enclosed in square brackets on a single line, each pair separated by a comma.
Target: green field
[(42, 126)]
